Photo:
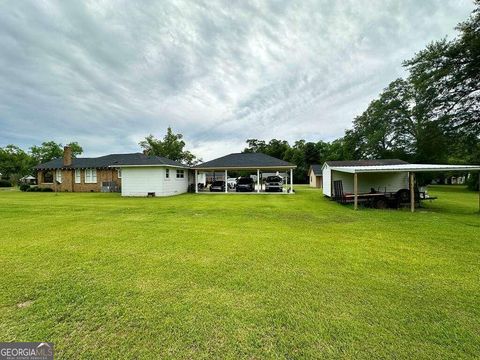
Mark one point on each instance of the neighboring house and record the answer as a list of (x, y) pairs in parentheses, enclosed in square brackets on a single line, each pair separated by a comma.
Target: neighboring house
[(315, 176), (380, 181), (143, 174), (27, 180)]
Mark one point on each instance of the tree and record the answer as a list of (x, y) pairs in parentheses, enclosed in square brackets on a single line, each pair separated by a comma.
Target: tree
[(172, 147), (14, 162), (50, 150), (447, 75)]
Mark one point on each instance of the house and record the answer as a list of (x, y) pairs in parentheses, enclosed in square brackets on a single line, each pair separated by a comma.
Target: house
[(315, 176), (113, 172), (385, 182), (27, 180), (137, 174)]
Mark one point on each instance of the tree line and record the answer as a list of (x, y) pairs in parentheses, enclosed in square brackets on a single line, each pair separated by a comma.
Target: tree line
[(16, 162)]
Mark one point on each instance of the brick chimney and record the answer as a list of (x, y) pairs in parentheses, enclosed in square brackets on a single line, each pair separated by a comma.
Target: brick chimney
[(67, 156)]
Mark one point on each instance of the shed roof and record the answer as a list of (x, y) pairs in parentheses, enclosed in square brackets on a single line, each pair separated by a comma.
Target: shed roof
[(405, 168), (368, 162), (317, 169), (245, 161), (112, 160)]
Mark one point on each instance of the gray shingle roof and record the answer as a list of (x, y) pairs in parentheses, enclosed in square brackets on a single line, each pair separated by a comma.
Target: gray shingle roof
[(110, 160), (244, 160), (317, 169), (366, 162)]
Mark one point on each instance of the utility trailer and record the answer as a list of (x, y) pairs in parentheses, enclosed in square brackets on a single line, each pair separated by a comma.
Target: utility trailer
[(379, 199)]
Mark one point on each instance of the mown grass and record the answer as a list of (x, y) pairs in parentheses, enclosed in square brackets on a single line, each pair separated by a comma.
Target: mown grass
[(240, 276)]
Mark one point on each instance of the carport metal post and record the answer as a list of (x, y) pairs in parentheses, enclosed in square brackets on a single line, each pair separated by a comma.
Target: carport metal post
[(412, 191), (196, 181), (355, 191), (258, 180), (291, 181), (226, 182)]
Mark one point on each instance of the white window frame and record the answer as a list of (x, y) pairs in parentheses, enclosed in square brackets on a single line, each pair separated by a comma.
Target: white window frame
[(58, 176), (78, 176), (119, 173), (90, 176), (180, 174), (167, 173)]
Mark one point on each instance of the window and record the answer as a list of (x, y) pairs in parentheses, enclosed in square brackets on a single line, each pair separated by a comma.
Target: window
[(78, 178), (119, 173), (167, 173), (90, 176), (48, 177), (180, 174), (58, 176)]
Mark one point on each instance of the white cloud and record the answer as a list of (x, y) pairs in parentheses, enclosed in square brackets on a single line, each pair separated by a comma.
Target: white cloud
[(108, 73)]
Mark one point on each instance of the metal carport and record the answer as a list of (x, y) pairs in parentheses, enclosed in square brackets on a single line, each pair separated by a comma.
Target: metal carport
[(410, 168)]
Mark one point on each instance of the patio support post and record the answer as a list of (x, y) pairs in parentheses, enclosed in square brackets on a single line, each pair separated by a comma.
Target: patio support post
[(291, 181), (479, 191), (196, 181), (226, 183), (258, 180), (412, 192), (355, 191)]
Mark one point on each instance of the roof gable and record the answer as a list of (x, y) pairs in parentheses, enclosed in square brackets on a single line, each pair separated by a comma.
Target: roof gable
[(317, 169)]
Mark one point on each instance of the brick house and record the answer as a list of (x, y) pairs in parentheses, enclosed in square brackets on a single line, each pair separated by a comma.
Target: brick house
[(90, 174), (78, 174)]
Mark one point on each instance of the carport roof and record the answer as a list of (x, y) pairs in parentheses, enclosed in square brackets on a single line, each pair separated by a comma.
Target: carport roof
[(405, 168), (245, 161)]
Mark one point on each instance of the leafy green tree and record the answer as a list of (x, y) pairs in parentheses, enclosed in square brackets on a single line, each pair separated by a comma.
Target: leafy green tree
[(50, 150), (255, 146), (172, 147), (447, 75), (14, 162)]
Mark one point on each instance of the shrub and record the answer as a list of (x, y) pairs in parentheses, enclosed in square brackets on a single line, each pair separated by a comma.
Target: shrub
[(47, 190), (24, 187), (5, 183), (34, 189), (472, 182)]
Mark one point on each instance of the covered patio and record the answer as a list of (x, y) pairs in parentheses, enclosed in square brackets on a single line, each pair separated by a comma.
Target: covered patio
[(366, 173), (254, 165)]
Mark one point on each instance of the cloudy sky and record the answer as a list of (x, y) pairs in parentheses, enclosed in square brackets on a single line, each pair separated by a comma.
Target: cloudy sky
[(108, 73)]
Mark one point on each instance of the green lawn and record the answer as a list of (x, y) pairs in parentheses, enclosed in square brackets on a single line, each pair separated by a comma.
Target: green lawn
[(240, 276)]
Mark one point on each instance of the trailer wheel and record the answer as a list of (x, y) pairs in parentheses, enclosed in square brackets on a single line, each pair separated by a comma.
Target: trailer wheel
[(381, 203), (403, 196)]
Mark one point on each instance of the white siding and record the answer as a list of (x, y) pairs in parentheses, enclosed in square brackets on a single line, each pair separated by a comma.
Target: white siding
[(139, 181), (327, 180), (389, 182)]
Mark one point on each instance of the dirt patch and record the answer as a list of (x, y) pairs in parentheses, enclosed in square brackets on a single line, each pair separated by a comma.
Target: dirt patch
[(25, 304)]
